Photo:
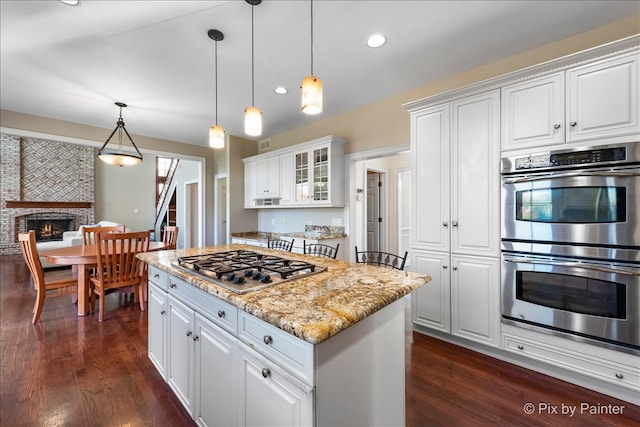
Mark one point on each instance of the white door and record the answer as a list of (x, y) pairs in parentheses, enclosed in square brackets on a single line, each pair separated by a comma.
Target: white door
[(373, 211)]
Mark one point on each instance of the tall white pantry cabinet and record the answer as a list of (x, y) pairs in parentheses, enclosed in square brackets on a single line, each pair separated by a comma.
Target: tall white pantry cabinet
[(456, 154)]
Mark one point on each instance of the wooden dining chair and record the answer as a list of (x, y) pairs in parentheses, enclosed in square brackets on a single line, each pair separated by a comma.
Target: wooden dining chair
[(46, 286), (89, 233), (381, 259), (320, 249), (170, 236), (118, 266), (283, 245)]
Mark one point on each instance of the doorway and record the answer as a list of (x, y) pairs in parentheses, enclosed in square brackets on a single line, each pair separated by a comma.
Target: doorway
[(363, 168), (220, 203), (373, 196), (191, 217)]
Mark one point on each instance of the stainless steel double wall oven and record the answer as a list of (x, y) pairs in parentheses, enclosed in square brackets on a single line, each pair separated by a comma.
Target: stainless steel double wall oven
[(571, 243)]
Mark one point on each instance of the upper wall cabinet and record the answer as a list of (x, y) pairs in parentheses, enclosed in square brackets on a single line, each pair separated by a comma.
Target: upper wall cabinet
[(597, 101), (308, 174), (262, 181)]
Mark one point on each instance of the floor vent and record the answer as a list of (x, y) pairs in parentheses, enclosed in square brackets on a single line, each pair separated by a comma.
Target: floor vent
[(265, 144)]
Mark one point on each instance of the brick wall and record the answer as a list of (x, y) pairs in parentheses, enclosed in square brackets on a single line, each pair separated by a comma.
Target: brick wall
[(36, 170)]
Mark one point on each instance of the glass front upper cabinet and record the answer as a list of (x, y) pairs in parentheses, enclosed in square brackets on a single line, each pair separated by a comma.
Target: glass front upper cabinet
[(321, 174)]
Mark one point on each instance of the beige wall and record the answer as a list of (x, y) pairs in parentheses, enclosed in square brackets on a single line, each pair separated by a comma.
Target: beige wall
[(386, 123)]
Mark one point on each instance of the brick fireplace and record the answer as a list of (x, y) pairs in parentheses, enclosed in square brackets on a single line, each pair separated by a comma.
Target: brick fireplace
[(46, 185)]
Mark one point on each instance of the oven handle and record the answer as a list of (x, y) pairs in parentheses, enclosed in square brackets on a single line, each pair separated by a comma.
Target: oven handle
[(616, 270), (568, 175)]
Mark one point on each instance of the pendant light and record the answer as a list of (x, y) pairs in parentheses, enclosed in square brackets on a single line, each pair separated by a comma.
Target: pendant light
[(216, 132), (311, 85), (119, 157), (252, 115)]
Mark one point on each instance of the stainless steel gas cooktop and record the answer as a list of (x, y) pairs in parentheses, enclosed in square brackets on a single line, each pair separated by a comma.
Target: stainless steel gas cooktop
[(244, 271)]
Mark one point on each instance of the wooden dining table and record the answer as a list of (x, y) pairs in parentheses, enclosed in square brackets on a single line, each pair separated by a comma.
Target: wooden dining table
[(84, 257)]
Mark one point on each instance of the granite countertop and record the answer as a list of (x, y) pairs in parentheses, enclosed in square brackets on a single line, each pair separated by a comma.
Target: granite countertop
[(316, 232), (312, 308)]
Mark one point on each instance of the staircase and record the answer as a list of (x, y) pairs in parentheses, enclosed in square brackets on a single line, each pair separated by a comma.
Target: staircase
[(166, 201)]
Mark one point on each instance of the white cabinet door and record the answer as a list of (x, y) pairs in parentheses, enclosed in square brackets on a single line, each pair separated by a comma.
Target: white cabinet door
[(533, 113), (602, 99), (250, 184), (475, 183), (302, 171), (269, 397), (321, 174), (475, 299), (430, 305), (158, 328), (216, 356), (430, 190), (268, 177), (286, 179), (272, 176), (180, 355)]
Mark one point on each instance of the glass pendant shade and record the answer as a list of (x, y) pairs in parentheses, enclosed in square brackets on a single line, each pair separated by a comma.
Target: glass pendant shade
[(119, 159), (216, 137), (253, 121), (311, 95)]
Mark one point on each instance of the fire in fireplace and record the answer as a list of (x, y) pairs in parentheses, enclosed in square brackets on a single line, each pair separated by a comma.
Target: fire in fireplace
[(48, 227)]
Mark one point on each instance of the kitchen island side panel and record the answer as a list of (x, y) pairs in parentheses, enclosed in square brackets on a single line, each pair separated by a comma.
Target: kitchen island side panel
[(360, 372)]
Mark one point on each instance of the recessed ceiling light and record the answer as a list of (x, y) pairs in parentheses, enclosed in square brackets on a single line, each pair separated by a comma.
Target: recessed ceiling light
[(70, 2), (376, 40), (280, 90)]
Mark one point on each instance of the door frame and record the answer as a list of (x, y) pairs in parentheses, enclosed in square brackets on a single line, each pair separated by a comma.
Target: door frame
[(353, 206), (188, 224), (220, 234)]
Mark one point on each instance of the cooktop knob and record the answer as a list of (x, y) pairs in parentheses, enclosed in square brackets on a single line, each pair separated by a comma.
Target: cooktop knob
[(266, 279), (231, 277), (256, 276), (248, 273), (239, 280)]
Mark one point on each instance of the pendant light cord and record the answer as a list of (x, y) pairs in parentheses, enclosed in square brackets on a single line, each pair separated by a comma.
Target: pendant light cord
[(252, 62), (312, 37), (216, 67)]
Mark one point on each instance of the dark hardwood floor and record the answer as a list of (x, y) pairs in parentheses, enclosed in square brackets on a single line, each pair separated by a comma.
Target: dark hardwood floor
[(70, 371)]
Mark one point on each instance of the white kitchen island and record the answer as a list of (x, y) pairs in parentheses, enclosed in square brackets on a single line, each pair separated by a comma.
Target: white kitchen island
[(323, 350)]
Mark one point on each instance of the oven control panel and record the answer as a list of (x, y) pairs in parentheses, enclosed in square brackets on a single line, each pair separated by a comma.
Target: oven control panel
[(569, 158)]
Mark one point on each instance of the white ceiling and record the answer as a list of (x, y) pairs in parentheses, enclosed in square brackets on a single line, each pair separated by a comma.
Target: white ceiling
[(73, 63)]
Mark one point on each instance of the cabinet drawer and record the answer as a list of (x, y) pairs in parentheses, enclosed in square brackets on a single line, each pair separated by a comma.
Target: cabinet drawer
[(597, 367), (213, 308), (158, 277), (288, 351)]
